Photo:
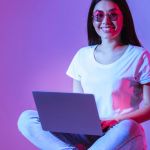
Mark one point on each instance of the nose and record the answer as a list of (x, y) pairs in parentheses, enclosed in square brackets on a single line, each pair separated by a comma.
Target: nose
[(106, 20)]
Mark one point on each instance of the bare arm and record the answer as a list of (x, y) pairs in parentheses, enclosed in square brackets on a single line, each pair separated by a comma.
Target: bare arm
[(143, 113), (140, 115), (77, 87)]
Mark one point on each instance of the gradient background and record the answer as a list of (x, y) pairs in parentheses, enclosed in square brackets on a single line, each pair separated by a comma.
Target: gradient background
[(38, 39)]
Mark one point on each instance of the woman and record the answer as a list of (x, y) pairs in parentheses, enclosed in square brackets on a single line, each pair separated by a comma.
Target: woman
[(116, 69)]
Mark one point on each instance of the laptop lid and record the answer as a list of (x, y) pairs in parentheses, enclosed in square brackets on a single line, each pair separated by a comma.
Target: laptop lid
[(68, 112)]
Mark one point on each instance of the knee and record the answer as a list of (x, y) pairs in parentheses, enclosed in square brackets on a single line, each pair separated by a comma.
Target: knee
[(25, 120), (130, 128)]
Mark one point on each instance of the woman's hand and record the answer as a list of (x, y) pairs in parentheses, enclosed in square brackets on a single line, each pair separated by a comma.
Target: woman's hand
[(108, 124)]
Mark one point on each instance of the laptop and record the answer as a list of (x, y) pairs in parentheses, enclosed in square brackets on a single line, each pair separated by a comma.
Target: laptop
[(68, 112)]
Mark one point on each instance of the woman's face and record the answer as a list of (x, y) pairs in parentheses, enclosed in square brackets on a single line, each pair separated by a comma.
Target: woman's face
[(107, 20)]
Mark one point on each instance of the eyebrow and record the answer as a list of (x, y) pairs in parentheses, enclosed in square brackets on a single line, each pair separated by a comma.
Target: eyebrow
[(113, 9)]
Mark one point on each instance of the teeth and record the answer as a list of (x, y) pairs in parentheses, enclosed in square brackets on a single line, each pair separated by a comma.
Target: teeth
[(107, 28)]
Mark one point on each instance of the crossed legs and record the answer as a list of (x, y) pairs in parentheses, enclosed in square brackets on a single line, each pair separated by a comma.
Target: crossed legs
[(127, 135)]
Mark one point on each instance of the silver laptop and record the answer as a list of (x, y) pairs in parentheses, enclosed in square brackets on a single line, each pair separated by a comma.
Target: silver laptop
[(68, 112)]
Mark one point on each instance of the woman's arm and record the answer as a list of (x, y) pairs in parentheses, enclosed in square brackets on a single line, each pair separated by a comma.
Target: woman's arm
[(77, 88), (143, 113), (140, 115)]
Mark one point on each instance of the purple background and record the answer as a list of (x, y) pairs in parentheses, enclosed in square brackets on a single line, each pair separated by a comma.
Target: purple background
[(38, 39)]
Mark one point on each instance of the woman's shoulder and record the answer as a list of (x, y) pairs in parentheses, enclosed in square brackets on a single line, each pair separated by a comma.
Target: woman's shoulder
[(138, 52), (86, 50), (138, 49)]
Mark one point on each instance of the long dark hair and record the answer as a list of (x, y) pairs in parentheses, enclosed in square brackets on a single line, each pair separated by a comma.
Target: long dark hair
[(128, 34)]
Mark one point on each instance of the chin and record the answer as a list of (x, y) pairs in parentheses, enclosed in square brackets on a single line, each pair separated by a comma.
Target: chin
[(109, 36)]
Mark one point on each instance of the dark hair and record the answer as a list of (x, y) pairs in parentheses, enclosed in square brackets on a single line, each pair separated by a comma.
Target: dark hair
[(128, 34)]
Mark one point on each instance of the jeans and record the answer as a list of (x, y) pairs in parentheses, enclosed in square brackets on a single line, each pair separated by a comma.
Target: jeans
[(126, 135)]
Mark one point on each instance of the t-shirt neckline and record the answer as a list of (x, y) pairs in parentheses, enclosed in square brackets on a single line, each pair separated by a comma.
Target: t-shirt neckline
[(113, 63)]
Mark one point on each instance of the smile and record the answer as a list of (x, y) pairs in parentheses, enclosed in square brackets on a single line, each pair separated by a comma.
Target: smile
[(107, 28)]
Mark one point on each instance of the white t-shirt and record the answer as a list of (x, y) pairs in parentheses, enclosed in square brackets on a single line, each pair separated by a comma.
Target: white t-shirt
[(116, 86)]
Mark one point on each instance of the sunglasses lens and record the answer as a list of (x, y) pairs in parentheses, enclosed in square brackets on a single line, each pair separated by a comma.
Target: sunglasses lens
[(113, 16), (98, 16)]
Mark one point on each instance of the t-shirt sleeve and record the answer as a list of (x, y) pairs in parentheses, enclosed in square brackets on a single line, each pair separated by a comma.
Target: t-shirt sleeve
[(143, 68), (74, 67)]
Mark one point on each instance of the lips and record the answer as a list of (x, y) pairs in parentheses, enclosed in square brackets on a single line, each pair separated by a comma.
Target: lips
[(112, 27), (107, 28)]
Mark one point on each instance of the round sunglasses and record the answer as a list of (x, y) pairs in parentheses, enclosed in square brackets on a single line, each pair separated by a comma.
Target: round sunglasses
[(98, 16)]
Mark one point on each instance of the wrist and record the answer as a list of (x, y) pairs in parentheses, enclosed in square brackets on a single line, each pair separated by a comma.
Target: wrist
[(118, 119)]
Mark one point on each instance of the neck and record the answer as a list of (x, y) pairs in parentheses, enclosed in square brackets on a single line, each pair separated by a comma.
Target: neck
[(110, 45)]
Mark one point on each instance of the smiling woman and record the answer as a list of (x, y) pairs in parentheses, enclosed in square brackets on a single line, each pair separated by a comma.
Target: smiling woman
[(107, 20), (116, 70)]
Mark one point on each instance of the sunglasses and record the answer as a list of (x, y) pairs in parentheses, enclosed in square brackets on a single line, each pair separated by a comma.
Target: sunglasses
[(98, 16)]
